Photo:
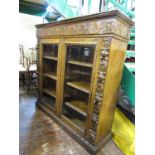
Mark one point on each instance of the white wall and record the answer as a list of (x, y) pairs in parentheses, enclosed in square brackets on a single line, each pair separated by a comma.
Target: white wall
[(27, 30)]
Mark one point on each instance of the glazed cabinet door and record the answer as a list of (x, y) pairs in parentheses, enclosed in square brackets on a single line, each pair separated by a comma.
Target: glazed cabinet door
[(49, 64), (78, 62)]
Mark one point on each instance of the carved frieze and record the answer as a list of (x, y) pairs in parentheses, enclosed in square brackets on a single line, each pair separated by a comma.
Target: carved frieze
[(84, 28)]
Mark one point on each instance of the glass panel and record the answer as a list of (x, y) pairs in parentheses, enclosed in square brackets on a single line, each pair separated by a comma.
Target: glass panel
[(80, 53), (49, 86), (50, 50), (49, 67), (50, 53), (74, 117), (79, 63), (76, 100)]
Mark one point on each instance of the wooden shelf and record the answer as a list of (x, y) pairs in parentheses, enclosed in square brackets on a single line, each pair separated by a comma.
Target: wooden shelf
[(50, 92), (85, 64), (51, 75), (50, 58), (83, 86), (77, 123), (81, 72), (78, 106)]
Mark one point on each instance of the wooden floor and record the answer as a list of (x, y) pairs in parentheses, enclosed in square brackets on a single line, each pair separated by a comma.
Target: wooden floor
[(39, 135)]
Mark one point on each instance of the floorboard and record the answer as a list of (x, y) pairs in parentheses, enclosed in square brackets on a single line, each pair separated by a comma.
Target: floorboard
[(39, 135)]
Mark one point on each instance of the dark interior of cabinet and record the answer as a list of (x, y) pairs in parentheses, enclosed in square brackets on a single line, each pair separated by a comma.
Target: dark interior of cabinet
[(49, 91), (49, 83), (75, 94), (50, 50), (81, 53), (49, 66), (77, 73), (76, 118), (75, 106), (49, 101), (77, 99)]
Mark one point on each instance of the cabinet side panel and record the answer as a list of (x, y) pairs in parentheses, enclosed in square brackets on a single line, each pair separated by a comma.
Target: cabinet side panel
[(113, 77)]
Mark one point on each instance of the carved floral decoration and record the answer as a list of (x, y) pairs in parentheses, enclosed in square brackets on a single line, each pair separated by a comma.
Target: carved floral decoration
[(90, 27), (98, 99)]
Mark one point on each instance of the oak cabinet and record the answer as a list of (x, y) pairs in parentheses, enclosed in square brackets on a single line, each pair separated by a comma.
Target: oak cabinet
[(80, 64)]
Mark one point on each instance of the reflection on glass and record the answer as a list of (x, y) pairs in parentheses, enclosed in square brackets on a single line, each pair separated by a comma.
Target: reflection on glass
[(50, 50), (80, 53)]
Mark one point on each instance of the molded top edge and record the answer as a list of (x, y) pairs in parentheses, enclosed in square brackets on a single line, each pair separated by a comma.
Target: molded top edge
[(114, 13)]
